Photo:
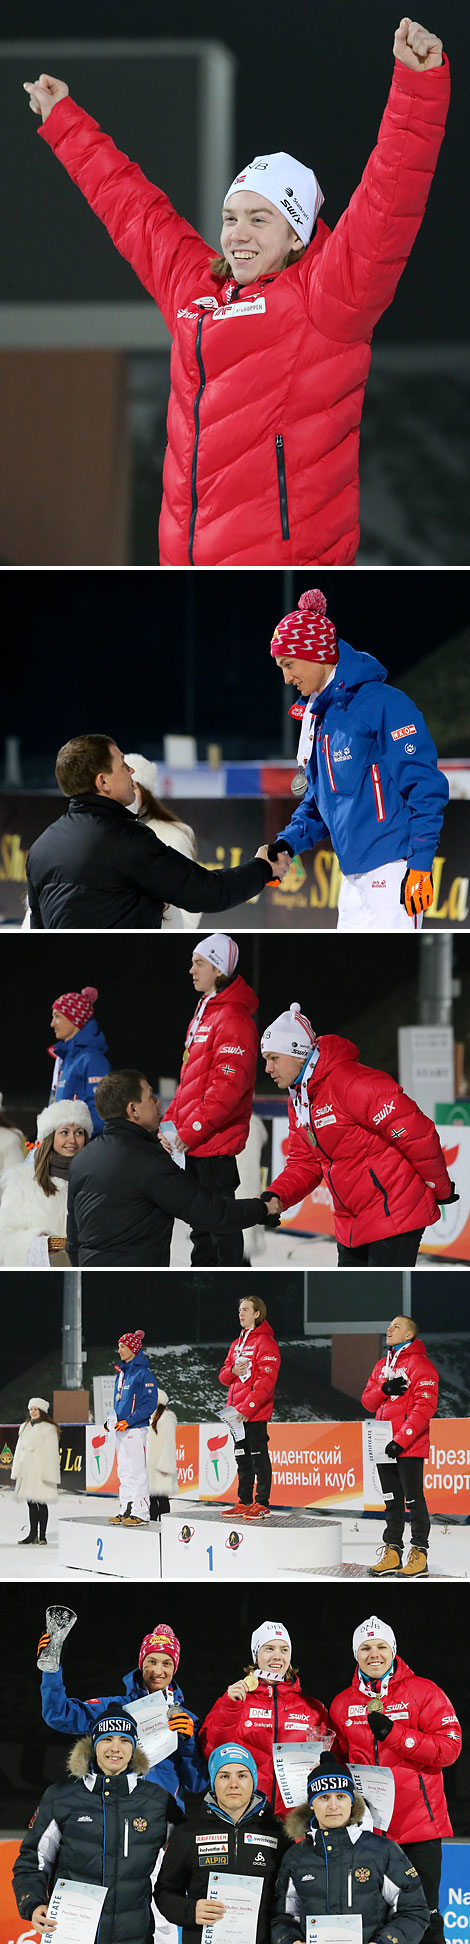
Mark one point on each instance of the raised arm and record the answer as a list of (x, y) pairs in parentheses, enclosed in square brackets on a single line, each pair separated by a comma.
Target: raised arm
[(165, 252)]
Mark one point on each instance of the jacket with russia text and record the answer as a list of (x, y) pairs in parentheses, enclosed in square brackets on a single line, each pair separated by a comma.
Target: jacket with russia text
[(379, 1155), (210, 1840), (98, 869), (373, 781), (79, 1064), (424, 1739), (106, 1830), (135, 1391), (350, 1871), (274, 1711), (122, 1205), (409, 1414), (267, 382), (212, 1105), (253, 1395), (183, 1771)]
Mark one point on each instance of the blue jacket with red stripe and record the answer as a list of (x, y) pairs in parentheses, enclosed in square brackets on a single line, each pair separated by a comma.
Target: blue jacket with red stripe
[(135, 1391), (373, 781)]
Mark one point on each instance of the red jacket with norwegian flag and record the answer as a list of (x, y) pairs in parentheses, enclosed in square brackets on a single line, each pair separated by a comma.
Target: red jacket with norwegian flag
[(425, 1738), (411, 1413), (212, 1104), (253, 1395), (379, 1155), (267, 382)]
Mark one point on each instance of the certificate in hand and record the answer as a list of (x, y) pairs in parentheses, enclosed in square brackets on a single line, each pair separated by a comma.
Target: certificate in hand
[(379, 1434), (292, 1764), (155, 1734), (171, 1135), (241, 1896), (334, 1930), (377, 1785), (76, 1909)]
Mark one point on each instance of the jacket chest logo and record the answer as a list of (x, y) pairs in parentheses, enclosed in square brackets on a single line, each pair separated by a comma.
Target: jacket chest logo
[(341, 755), (253, 309), (140, 1823), (362, 1875)]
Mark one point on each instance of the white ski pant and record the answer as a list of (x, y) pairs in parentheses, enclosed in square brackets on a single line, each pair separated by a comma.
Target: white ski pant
[(370, 901), (134, 1486)]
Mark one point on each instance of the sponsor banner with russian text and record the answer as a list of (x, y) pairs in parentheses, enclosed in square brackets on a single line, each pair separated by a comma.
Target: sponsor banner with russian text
[(446, 1474), (451, 1235)]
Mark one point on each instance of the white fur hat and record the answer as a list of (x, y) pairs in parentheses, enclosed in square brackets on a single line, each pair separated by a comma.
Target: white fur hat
[(144, 772), (61, 1113), (38, 1404)]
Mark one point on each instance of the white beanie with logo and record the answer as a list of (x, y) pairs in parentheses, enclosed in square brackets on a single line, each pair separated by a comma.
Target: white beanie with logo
[(270, 1630), (220, 950), (288, 184), (291, 1032), (373, 1629)]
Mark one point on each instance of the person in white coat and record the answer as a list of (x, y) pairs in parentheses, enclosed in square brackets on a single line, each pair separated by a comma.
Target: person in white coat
[(161, 1457), (33, 1210), (35, 1472), (12, 1146), (167, 826)]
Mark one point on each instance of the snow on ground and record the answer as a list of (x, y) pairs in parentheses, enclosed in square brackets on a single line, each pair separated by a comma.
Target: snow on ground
[(289, 1251), (449, 1552)]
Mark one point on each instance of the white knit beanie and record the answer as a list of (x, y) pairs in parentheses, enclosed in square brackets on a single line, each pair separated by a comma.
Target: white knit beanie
[(371, 1629), (291, 1032), (221, 951), (270, 1630), (288, 184), (62, 1113)]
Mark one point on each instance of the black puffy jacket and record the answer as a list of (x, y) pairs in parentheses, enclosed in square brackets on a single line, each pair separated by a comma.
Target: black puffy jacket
[(96, 869), (98, 1829), (124, 1193), (212, 1841), (350, 1871)]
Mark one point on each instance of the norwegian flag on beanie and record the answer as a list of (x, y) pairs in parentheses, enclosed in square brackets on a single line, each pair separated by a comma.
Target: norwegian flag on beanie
[(307, 633)]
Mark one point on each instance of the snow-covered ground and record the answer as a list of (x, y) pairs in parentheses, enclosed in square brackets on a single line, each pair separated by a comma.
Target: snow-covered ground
[(449, 1553), (288, 1251)]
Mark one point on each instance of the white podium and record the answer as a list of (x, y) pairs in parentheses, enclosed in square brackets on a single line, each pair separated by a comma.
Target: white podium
[(199, 1544), (127, 1552)]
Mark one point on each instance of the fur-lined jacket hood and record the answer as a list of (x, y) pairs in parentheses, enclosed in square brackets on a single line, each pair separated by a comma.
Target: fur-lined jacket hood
[(297, 1821), (80, 1762)]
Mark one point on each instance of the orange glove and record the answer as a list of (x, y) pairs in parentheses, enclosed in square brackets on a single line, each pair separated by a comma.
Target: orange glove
[(181, 1722), (416, 891), (122, 1425), (43, 1642)]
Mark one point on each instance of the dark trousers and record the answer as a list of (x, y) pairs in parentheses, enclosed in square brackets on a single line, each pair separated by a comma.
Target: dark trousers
[(38, 1517), (427, 1860), (158, 1504), (218, 1174), (402, 1486), (392, 1252), (253, 1461)]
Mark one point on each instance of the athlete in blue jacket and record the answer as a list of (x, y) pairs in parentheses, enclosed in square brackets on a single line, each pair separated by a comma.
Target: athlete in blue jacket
[(135, 1400), (368, 774), (81, 1055), (182, 1772)]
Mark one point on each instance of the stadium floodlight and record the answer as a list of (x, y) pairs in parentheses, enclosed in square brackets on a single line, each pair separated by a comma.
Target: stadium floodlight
[(169, 105)]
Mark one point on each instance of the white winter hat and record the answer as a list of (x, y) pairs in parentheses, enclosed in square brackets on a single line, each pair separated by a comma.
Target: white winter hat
[(291, 1032), (371, 1629), (270, 1630), (162, 1396), (61, 1113), (220, 950), (144, 771), (38, 1404), (292, 188)]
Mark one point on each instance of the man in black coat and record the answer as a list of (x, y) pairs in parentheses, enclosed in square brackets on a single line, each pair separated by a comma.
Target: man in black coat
[(343, 1866), (121, 1207), (231, 1829), (97, 869)]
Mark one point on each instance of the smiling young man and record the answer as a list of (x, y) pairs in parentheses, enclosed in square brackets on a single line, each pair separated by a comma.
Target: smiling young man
[(97, 868), (367, 776), (184, 1770)]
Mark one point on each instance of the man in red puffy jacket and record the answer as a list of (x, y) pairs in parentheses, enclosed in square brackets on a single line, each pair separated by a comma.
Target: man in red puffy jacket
[(403, 1388), (400, 1720), (352, 1126), (212, 1104), (251, 1370), (267, 1705), (273, 339)]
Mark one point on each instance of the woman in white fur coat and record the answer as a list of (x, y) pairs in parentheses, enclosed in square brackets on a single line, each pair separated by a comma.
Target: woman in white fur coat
[(161, 1457), (168, 827), (35, 1471), (33, 1209)]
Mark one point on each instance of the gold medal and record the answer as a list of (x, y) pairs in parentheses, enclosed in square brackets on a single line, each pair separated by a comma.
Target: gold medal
[(251, 1682), (186, 1056), (376, 1705)]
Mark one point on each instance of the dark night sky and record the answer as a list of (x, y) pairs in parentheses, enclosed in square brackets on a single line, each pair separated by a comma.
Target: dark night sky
[(318, 89), (108, 651), (146, 996), (215, 1638)]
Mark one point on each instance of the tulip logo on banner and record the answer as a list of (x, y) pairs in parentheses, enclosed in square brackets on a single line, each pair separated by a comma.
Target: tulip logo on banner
[(100, 1458), (217, 1465)]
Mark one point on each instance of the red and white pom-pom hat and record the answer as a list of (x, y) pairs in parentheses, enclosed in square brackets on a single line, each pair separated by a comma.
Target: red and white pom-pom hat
[(307, 634)]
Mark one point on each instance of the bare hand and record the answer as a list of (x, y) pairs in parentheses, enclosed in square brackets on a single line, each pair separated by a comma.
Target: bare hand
[(238, 1691), (416, 47), (278, 870), (274, 1205), (169, 1145), (44, 93), (40, 1919), (240, 1368), (208, 1912)]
